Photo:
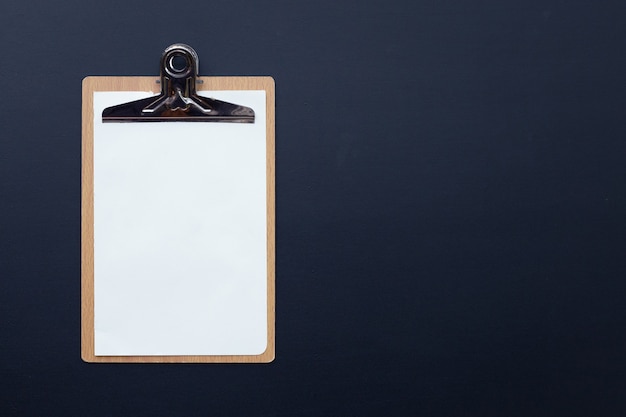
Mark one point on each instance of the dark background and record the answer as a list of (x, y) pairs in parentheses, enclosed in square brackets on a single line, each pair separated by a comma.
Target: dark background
[(451, 206)]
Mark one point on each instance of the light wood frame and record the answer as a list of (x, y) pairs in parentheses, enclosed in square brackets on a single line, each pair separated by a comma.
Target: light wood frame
[(93, 84)]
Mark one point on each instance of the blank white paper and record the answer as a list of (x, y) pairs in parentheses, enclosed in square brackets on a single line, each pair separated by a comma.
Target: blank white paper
[(180, 249)]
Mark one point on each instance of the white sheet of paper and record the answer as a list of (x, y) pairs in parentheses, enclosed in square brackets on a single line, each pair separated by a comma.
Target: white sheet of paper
[(180, 250)]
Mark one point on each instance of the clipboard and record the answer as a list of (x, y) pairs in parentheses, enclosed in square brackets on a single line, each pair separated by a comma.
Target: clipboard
[(178, 217)]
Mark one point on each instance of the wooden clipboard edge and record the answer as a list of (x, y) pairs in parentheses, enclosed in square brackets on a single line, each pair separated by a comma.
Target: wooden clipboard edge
[(99, 83)]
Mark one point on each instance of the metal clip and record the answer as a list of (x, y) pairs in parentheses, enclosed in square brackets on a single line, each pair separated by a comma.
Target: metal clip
[(178, 100)]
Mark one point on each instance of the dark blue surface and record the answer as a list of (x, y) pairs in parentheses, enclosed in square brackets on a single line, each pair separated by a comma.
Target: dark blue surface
[(451, 206)]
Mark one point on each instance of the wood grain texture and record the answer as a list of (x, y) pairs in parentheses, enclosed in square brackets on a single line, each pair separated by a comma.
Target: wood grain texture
[(92, 84)]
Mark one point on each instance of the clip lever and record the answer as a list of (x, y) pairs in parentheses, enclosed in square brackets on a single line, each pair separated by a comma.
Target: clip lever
[(178, 100)]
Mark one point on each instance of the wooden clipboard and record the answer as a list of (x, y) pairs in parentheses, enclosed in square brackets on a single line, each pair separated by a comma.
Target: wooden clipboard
[(92, 85)]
